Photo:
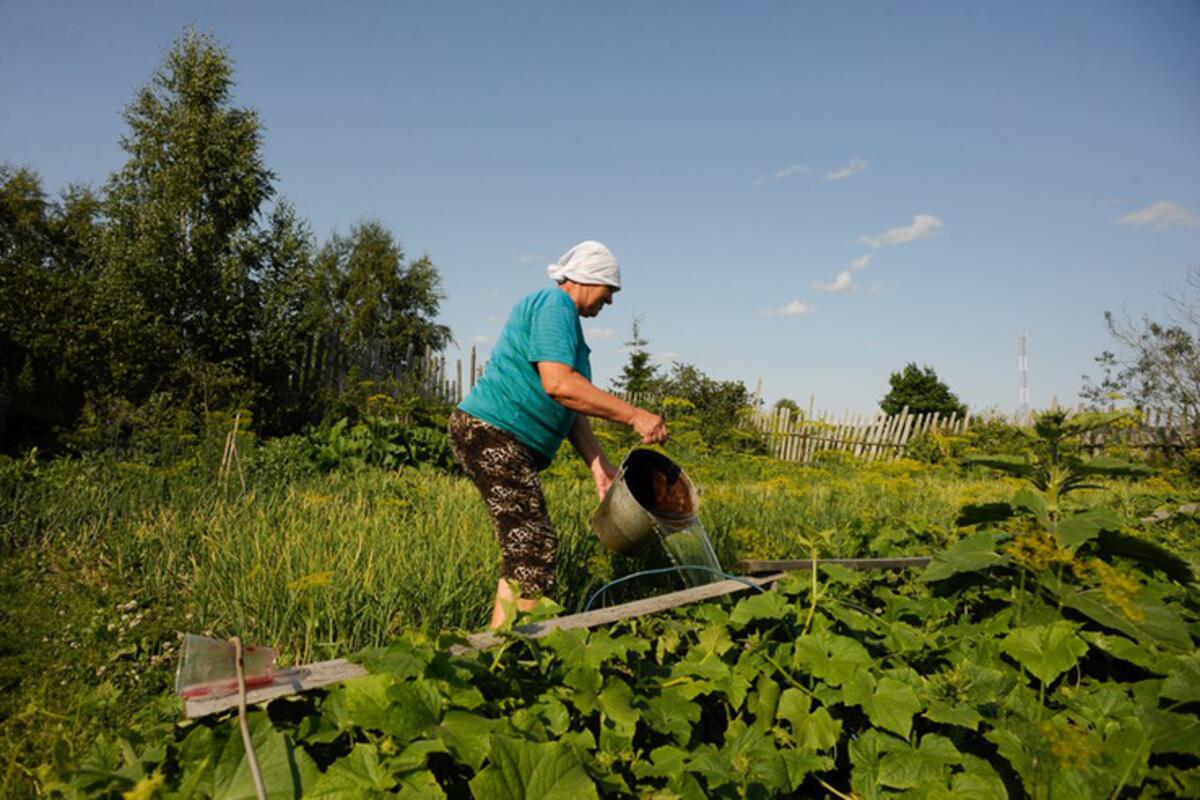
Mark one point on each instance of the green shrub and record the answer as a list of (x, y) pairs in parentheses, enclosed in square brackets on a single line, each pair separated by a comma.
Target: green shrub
[(378, 442)]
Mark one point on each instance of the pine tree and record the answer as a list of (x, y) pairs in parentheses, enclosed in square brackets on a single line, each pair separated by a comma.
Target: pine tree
[(639, 375)]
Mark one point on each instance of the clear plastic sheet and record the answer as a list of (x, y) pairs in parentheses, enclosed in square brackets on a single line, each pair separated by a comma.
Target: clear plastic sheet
[(208, 667)]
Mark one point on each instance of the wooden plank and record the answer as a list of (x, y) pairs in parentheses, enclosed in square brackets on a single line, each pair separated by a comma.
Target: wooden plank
[(856, 435), (797, 437), (806, 442), (809, 442), (881, 425), (754, 567), (902, 434), (861, 434), (781, 428), (306, 677), (882, 421), (846, 434), (290, 681), (883, 448), (607, 616)]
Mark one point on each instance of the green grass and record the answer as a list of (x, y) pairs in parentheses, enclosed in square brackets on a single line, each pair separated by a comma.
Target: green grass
[(107, 562)]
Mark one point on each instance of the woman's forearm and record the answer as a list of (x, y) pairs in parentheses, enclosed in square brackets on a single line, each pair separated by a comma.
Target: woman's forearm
[(569, 388), (577, 393), (583, 439)]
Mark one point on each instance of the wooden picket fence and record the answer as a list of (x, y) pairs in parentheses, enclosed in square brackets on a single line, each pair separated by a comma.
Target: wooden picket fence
[(799, 437), (436, 377), (1160, 432), (877, 437), (446, 384)]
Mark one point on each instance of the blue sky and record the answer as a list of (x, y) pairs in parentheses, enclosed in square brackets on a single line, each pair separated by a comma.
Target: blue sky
[(812, 194)]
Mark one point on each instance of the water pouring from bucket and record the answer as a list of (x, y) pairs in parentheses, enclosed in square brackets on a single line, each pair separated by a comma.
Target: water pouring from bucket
[(651, 499)]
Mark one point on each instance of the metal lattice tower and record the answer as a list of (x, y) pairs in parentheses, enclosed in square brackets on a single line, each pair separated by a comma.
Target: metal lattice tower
[(1023, 368)]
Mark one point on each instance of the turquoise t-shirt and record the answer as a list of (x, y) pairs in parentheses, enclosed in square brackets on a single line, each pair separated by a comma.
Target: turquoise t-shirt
[(543, 326)]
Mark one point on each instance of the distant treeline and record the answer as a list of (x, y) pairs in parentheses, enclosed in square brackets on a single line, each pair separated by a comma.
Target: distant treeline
[(184, 282)]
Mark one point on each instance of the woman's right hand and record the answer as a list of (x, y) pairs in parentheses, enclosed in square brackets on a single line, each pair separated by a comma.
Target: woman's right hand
[(651, 427)]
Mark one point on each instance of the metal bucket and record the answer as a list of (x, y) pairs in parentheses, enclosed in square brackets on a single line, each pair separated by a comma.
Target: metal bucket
[(649, 492)]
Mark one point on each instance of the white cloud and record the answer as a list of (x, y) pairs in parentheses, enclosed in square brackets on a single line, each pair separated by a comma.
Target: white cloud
[(862, 261), (796, 308), (923, 226), (1163, 215), (594, 332), (786, 172), (842, 283), (852, 167), (480, 339)]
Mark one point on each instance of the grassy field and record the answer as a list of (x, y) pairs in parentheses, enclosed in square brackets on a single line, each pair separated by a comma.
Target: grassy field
[(107, 562)]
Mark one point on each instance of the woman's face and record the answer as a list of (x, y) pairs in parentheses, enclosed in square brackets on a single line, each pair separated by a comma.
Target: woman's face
[(594, 298)]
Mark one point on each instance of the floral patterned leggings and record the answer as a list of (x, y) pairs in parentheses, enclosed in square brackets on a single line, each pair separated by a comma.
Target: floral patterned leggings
[(506, 473)]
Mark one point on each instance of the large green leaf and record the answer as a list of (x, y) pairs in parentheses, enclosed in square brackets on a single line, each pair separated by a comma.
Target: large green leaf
[(977, 781), (762, 605), (1183, 680), (979, 513), (287, 770), (1173, 733), (1047, 651), (969, 554), (522, 770), (830, 657), (866, 755), (355, 775), (1147, 553), (888, 703), (1086, 421), (1033, 501), (1112, 467), (467, 736), (616, 703), (755, 758), (584, 653), (811, 730), (414, 707), (664, 761), (418, 785), (1157, 623), (924, 766), (1014, 465), (360, 702), (400, 658), (1126, 650), (673, 714), (964, 716), (1083, 526)]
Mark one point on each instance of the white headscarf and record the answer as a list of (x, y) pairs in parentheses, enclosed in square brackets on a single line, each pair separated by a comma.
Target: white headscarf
[(587, 262)]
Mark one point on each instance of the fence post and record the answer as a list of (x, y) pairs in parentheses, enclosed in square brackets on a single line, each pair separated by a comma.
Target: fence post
[(906, 428)]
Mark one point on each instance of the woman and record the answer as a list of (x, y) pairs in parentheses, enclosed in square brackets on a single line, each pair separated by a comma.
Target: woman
[(535, 392)]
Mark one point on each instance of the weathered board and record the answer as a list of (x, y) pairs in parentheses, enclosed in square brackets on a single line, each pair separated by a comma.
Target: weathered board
[(313, 676), (290, 681)]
